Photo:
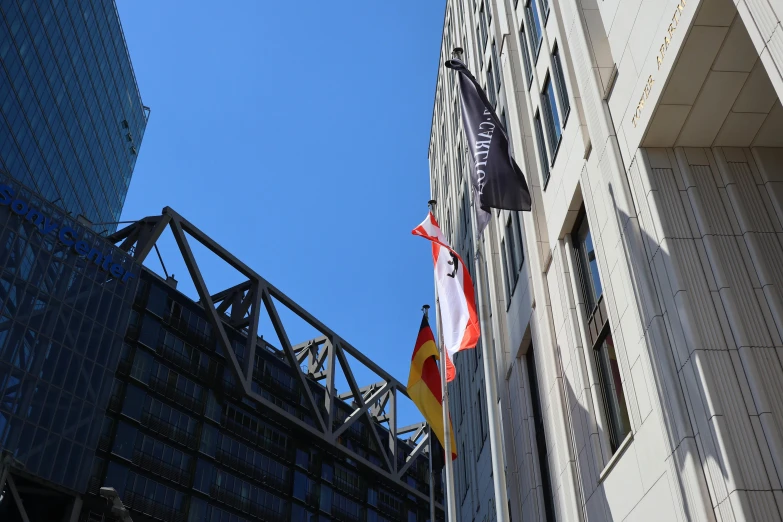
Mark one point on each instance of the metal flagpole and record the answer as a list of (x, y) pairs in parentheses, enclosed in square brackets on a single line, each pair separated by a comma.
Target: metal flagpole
[(432, 479), (491, 385), (451, 497), (426, 309)]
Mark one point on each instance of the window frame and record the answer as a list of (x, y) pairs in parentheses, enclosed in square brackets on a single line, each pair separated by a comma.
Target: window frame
[(539, 428), (496, 63), (506, 272), (532, 15), (526, 63), (512, 247), (560, 85), (491, 88), (618, 405), (554, 131), (542, 150), (592, 298), (519, 238)]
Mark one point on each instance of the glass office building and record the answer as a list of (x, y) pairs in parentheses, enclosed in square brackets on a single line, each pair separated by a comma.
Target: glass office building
[(64, 307), (109, 376), (71, 116)]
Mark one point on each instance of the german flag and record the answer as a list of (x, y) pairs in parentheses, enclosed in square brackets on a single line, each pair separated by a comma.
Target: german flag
[(424, 384)]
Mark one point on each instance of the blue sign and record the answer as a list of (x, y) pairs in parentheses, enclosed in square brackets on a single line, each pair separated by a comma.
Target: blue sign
[(67, 235)]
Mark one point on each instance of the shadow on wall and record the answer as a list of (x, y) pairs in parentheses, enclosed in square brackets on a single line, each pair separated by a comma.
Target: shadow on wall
[(708, 292)]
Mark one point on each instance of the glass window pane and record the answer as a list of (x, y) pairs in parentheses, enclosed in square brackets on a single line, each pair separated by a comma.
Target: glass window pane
[(612, 387), (125, 440), (591, 279)]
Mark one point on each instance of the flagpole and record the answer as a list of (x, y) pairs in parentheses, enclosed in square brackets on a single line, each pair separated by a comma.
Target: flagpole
[(451, 498), (491, 384), (426, 309), (432, 477)]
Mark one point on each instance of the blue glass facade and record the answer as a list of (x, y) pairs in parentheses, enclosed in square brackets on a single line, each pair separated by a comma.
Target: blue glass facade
[(71, 116), (62, 322)]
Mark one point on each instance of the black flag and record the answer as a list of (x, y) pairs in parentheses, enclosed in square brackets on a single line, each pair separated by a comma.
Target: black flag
[(497, 180)]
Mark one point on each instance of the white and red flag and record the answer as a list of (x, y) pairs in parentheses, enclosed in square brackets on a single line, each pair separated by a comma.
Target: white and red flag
[(455, 293)]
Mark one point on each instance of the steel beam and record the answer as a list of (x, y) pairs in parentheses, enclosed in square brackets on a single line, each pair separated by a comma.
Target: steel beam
[(240, 307)]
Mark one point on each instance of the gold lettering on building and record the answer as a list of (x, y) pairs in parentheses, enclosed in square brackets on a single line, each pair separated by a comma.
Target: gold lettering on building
[(643, 100), (659, 59), (670, 32)]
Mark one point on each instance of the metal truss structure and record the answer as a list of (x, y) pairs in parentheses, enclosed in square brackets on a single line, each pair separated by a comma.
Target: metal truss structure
[(318, 359)]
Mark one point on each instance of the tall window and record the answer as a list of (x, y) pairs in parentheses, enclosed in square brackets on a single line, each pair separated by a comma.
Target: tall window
[(545, 5), (534, 22), (506, 268), (551, 117), (484, 28), (542, 155), (496, 62), (526, 57), (520, 247), (562, 90), (538, 424), (600, 335), (491, 92), (513, 250), (612, 391), (588, 266)]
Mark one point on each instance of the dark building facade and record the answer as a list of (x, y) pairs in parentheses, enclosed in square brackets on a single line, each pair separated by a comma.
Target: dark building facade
[(182, 442), (63, 318), (109, 376), (71, 116)]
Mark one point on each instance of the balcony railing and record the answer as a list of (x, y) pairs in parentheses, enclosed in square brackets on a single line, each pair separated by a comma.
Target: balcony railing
[(245, 505), (194, 337), (340, 514), (208, 373), (161, 468), (354, 490), (169, 430), (151, 507), (255, 437), (248, 469), (170, 391)]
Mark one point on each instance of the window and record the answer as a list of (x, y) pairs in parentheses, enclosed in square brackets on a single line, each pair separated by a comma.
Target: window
[(491, 90), (545, 5), (484, 26), (542, 155), (518, 236), (515, 258), (562, 90), (506, 267), (142, 366), (587, 265), (612, 391), (600, 335), (551, 117), (526, 57), (124, 440), (534, 24), (538, 421), (496, 62)]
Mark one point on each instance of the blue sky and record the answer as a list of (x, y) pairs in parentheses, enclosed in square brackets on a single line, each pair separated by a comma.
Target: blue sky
[(295, 134)]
